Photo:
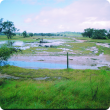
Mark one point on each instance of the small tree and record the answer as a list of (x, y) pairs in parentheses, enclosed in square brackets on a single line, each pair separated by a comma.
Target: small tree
[(31, 34), (24, 34), (9, 29), (1, 23), (6, 52)]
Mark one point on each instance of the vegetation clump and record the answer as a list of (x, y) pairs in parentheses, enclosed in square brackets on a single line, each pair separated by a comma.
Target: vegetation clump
[(6, 52), (96, 33)]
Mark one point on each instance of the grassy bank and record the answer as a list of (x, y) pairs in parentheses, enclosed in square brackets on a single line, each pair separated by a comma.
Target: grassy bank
[(75, 90)]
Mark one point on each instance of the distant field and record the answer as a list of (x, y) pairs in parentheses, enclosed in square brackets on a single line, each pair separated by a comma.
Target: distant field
[(31, 39), (76, 47)]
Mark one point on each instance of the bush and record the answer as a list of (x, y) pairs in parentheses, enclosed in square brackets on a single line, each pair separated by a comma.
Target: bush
[(6, 52), (95, 33)]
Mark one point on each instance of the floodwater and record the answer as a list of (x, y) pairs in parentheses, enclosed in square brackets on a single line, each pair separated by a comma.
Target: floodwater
[(41, 65), (56, 62), (104, 44), (59, 62), (34, 44)]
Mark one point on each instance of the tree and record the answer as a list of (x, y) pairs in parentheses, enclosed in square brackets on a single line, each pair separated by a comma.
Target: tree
[(99, 34), (88, 32), (24, 34), (108, 34), (42, 34), (6, 52), (9, 29), (1, 23), (35, 34), (95, 33), (49, 34), (31, 34)]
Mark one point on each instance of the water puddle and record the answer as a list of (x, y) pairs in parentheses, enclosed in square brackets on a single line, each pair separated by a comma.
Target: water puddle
[(23, 46), (27, 45), (49, 78), (42, 65), (64, 49), (104, 44), (41, 78), (93, 49)]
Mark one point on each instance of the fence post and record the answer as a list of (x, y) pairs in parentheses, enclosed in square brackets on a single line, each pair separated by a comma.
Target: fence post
[(67, 61)]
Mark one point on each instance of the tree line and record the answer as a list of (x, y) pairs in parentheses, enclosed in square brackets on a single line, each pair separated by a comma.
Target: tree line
[(25, 34), (9, 30), (96, 33)]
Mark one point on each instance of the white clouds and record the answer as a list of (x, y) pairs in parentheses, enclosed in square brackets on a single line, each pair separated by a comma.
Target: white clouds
[(79, 15), (108, 1), (28, 20), (61, 27), (1, 1), (97, 24)]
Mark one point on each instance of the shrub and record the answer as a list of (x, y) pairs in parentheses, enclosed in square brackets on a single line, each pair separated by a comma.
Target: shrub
[(6, 52)]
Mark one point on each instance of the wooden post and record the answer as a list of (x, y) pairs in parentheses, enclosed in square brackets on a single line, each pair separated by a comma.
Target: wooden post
[(67, 61)]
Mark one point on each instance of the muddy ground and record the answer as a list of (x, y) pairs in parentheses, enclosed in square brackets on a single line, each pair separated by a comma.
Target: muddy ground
[(73, 60)]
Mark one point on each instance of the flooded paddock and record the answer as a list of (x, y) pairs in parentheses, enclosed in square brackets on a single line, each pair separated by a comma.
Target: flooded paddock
[(50, 60)]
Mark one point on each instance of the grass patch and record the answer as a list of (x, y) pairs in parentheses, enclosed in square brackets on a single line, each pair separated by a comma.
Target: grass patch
[(104, 68), (81, 47), (78, 92), (103, 49), (34, 50), (21, 38)]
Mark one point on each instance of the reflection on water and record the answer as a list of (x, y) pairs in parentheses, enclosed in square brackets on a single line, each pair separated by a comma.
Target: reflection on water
[(104, 44), (41, 65), (24, 46)]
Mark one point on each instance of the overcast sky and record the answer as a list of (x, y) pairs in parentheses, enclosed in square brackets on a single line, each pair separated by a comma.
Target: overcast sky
[(56, 15)]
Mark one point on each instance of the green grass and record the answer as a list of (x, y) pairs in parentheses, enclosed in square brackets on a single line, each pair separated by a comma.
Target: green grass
[(77, 91), (81, 47), (105, 68), (103, 49), (27, 39), (33, 50)]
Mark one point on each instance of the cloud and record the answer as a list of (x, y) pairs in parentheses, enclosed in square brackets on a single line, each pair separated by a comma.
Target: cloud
[(77, 16), (108, 1), (28, 20), (1, 1)]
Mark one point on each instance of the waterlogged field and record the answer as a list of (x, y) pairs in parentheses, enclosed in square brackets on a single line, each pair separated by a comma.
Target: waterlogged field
[(22, 88)]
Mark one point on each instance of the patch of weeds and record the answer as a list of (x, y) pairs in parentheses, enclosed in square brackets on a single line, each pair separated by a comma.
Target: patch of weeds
[(101, 49), (40, 60), (1, 82), (93, 64), (104, 68), (94, 59)]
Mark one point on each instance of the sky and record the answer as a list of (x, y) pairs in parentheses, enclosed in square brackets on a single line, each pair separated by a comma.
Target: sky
[(47, 16)]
